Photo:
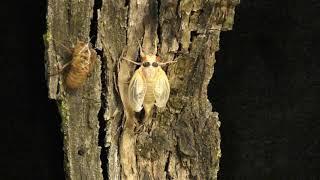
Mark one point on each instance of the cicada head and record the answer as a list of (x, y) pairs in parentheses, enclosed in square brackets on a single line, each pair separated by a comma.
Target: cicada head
[(149, 64), (150, 57)]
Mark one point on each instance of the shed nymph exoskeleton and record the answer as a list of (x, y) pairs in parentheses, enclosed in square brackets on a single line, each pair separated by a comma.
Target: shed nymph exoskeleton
[(83, 60), (149, 84), (80, 66)]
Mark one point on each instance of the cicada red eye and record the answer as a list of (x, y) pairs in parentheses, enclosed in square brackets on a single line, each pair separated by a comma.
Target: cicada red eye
[(146, 64)]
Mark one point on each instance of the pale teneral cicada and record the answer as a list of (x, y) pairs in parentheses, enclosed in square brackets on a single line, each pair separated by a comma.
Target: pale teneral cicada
[(149, 84)]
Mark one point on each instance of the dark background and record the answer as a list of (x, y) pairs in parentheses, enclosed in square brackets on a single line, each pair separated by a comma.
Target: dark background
[(266, 89)]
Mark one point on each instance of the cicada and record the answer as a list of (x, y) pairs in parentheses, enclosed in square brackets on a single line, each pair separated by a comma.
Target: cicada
[(81, 65), (149, 84)]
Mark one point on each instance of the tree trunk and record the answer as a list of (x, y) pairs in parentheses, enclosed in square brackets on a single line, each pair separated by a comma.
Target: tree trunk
[(69, 21), (182, 141)]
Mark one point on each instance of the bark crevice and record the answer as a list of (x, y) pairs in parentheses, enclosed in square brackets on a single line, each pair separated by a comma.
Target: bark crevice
[(102, 122), (94, 21)]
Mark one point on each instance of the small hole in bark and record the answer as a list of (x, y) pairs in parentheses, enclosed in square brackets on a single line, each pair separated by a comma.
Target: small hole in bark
[(81, 152), (194, 34), (174, 92), (192, 13)]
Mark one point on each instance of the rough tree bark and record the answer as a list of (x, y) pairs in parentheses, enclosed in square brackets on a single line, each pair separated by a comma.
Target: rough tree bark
[(183, 140)]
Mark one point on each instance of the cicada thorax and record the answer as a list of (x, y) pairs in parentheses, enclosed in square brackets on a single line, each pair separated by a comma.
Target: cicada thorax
[(149, 74), (82, 63)]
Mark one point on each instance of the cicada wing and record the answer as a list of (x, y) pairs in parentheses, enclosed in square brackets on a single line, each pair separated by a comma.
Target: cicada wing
[(161, 88), (137, 90)]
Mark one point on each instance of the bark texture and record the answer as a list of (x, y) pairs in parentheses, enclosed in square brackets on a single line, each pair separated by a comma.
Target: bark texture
[(67, 22), (182, 141)]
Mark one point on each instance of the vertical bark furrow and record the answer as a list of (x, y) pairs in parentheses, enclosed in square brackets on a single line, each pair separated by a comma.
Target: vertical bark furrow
[(112, 39)]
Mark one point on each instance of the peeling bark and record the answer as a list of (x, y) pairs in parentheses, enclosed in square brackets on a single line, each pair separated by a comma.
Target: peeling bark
[(183, 140)]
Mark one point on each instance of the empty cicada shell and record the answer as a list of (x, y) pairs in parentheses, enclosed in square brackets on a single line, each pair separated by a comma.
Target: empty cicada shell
[(81, 65)]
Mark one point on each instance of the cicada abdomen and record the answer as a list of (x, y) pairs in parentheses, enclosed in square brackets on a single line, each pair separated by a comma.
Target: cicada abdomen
[(81, 65)]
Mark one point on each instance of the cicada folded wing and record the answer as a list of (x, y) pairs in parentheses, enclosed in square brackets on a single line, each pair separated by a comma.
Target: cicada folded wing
[(161, 88), (137, 90)]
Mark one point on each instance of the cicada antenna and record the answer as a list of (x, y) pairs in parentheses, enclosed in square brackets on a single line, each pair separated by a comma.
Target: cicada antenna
[(169, 62), (155, 47), (141, 51), (132, 61)]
